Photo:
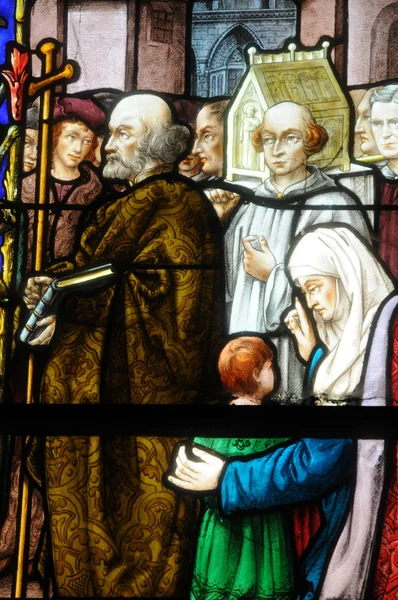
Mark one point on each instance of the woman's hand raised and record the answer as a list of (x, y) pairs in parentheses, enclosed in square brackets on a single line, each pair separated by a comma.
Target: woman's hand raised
[(195, 476), (299, 324)]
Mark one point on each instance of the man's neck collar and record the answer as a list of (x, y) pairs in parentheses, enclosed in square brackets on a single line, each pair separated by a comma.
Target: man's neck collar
[(282, 183), (163, 168), (65, 174)]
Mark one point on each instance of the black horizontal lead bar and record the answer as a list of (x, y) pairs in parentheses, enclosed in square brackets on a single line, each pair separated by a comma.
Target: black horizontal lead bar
[(209, 421), (281, 206)]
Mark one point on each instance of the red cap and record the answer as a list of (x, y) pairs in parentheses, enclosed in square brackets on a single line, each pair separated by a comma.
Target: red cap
[(83, 109)]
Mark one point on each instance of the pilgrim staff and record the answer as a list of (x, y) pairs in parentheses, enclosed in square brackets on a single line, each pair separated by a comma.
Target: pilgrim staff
[(45, 49)]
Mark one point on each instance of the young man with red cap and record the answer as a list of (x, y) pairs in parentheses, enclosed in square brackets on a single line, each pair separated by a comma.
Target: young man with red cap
[(72, 180)]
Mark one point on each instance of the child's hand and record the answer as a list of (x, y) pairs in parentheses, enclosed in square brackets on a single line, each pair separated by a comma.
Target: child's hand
[(197, 476)]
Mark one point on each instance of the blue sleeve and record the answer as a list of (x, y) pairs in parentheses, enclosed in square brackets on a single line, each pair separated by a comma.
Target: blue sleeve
[(315, 359), (304, 470)]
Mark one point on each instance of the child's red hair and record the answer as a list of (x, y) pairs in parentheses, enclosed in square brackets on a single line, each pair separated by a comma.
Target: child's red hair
[(238, 359)]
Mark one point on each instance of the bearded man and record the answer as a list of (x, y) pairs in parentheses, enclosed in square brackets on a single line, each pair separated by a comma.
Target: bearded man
[(118, 531)]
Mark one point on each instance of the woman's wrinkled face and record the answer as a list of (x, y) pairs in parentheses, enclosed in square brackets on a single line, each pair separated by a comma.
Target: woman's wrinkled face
[(320, 294)]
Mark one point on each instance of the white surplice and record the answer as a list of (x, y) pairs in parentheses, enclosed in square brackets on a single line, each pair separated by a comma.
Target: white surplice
[(255, 306)]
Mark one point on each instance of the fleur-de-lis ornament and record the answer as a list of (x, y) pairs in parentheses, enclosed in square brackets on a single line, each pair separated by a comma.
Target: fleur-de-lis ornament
[(16, 78)]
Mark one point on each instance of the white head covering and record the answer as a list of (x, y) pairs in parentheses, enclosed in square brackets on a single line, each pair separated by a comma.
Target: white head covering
[(361, 286)]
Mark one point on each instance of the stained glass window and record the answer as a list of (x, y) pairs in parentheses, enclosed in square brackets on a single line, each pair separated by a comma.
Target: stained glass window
[(198, 213)]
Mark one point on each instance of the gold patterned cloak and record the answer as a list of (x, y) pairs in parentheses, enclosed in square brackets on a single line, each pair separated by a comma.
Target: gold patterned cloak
[(115, 529)]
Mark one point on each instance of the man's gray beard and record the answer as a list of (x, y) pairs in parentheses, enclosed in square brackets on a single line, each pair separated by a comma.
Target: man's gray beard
[(118, 167)]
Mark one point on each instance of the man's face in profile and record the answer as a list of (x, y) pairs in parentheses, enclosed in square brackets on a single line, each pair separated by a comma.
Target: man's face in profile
[(126, 129), (283, 138), (30, 150), (209, 142), (190, 163), (363, 126), (73, 144), (384, 120)]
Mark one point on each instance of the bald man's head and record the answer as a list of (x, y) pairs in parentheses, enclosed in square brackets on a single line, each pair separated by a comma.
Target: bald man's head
[(296, 113), (142, 137), (148, 108), (288, 117)]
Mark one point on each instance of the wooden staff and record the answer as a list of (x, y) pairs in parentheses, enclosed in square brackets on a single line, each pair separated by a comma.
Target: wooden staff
[(20, 12), (47, 50)]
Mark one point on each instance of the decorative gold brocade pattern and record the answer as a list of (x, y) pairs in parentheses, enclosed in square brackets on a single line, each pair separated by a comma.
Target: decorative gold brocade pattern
[(116, 529), (132, 540)]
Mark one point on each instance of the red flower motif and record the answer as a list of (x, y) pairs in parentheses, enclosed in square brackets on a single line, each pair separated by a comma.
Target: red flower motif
[(16, 79)]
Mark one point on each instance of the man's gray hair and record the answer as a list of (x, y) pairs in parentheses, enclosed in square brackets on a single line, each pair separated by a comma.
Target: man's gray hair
[(164, 143), (389, 93)]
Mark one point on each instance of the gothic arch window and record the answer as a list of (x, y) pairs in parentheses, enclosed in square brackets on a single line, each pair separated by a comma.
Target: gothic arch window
[(383, 62), (235, 69), (227, 62)]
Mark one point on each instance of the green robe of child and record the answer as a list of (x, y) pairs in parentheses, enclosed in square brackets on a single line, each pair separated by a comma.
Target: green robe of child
[(247, 556)]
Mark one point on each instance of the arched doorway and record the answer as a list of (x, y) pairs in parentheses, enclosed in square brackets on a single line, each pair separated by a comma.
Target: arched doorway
[(392, 54), (227, 63), (236, 66), (384, 44)]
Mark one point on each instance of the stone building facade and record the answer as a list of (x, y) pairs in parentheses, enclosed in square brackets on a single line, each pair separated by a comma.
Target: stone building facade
[(370, 34), (127, 45), (122, 44), (372, 41), (222, 29), (152, 44)]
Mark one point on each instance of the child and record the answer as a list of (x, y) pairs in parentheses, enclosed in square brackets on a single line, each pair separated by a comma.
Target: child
[(249, 556), (246, 370)]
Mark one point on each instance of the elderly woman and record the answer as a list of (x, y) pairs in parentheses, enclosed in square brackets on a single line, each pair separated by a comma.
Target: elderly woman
[(345, 286), (349, 292)]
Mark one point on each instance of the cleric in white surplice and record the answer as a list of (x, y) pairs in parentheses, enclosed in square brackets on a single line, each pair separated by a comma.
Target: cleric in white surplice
[(259, 235)]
